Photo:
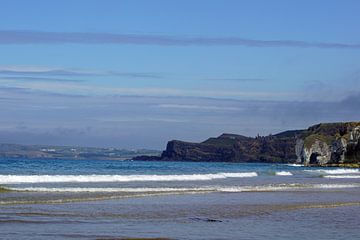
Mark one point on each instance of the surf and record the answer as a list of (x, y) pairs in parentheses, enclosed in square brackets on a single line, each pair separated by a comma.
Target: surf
[(255, 188), (336, 171), (16, 179)]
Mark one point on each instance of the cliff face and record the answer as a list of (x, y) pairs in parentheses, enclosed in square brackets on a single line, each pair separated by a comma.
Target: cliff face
[(322, 144), (331, 143), (235, 148)]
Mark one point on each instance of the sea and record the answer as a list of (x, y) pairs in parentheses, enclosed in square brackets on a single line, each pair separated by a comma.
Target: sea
[(109, 199)]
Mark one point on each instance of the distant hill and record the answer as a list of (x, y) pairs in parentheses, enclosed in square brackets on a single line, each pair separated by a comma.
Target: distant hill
[(321, 144), (70, 152)]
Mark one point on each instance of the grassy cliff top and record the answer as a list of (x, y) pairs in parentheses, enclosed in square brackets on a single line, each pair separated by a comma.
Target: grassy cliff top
[(333, 128), (328, 132), (325, 132)]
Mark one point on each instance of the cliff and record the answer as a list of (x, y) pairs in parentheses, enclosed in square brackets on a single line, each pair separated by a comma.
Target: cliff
[(322, 144), (330, 143)]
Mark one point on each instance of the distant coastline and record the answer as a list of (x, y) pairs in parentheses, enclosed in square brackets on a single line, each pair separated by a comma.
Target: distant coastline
[(324, 144), (70, 152)]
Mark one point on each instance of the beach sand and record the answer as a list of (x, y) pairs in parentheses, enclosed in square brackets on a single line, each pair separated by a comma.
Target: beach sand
[(325, 214)]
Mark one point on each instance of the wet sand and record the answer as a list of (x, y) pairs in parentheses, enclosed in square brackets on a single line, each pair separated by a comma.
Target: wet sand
[(254, 215)]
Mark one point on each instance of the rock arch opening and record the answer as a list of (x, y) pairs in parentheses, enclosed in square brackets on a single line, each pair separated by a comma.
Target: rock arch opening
[(314, 158)]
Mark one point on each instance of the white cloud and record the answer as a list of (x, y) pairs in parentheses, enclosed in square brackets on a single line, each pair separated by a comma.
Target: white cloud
[(28, 70), (199, 107), (88, 89), (117, 120)]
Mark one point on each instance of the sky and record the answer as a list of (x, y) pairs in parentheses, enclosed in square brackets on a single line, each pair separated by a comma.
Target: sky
[(136, 74)]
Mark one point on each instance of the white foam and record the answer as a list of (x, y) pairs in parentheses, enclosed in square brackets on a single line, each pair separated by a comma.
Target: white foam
[(295, 165), (229, 189), (334, 186), (14, 179), (336, 171), (342, 171), (283, 173), (285, 187), (342, 176), (254, 189), (109, 190)]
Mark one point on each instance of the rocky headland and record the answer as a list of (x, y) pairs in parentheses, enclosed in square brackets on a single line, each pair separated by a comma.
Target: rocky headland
[(325, 144)]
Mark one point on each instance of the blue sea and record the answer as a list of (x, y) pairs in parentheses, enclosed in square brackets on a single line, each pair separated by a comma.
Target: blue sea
[(102, 199)]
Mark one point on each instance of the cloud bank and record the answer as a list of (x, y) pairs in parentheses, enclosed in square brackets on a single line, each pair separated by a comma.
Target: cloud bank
[(138, 122), (41, 37)]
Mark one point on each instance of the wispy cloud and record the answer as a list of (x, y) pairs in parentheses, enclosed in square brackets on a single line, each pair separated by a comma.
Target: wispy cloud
[(81, 89), (139, 119), (40, 79), (73, 88), (135, 122), (237, 79), (199, 107), (48, 71), (40, 37)]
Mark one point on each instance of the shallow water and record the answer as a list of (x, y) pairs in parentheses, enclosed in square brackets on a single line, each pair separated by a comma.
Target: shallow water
[(65, 199)]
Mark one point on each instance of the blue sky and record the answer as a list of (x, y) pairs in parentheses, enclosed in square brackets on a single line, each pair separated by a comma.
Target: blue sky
[(136, 74)]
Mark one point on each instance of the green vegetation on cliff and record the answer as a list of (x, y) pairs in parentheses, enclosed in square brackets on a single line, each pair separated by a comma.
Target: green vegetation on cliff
[(234, 148), (325, 143), (312, 138), (328, 132)]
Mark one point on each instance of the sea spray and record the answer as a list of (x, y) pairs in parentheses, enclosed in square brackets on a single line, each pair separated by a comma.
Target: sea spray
[(15, 179)]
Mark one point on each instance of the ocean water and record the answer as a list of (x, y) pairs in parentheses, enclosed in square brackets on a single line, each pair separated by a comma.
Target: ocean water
[(98, 199)]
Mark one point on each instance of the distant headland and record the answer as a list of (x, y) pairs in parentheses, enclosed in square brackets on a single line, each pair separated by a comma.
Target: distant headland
[(69, 152), (324, 144)]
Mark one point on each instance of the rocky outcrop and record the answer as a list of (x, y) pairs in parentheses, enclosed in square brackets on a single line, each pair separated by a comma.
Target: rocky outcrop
[(318, 153), (235, 148), (331, 143), (352, 153), (322, 144)]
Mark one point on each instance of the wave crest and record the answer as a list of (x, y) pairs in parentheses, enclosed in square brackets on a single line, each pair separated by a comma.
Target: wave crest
[(342, 176), (336, 171), (259, 188), (283, 173), (15, 179)]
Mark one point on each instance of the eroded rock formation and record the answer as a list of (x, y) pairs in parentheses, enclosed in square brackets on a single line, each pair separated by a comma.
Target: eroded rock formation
[(322, 144), (332, 143)]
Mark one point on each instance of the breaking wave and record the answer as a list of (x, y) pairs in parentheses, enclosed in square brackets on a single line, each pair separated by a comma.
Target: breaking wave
[(283, 173), (261, 188), (294, 165), (15, 179), (108, 190), (341, 176), (336, 171)]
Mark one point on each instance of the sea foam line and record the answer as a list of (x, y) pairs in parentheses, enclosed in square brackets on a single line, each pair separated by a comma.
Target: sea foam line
[(109, 190), (342, 176), (285, 187), (15, 179), (295, 165), (229, 189), (283, 173), (336, 171)]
